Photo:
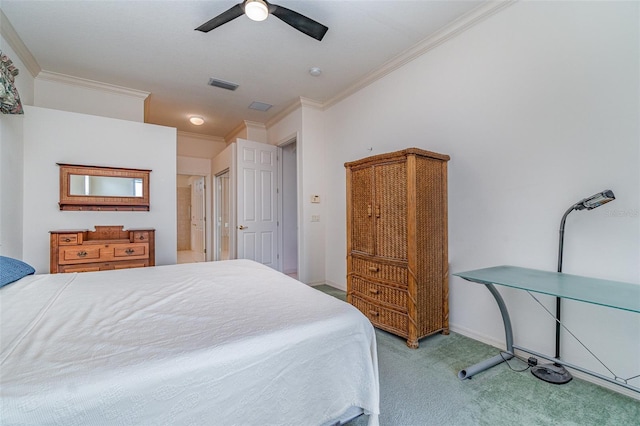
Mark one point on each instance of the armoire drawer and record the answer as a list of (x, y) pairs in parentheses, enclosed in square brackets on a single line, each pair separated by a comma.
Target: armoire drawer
[(379, 292), (387, 319), (380, 271)]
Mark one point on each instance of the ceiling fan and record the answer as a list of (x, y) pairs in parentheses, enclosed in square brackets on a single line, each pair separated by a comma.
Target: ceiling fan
[(258, 10)]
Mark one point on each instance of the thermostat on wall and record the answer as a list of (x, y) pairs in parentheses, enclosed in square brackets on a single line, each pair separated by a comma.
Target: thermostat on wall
[(315, 198)]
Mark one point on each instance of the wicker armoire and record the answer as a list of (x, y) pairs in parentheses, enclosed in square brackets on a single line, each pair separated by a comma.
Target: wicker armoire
[(397, 250)]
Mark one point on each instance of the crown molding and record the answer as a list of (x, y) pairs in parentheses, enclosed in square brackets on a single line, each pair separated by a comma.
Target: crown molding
[(298, 103), (91, 84), (254, 125), (458, 26), (307, 102), (234, 132), (207, 138), (285, 112), (15, 42)]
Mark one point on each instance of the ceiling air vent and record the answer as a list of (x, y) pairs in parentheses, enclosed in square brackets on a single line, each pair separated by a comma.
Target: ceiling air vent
[(260, 106), (222, 84)]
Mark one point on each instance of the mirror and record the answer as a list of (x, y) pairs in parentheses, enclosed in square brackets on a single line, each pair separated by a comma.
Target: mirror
[(103, 188)]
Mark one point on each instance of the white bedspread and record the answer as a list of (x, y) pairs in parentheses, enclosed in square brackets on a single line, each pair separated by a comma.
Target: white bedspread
[(217, 343)]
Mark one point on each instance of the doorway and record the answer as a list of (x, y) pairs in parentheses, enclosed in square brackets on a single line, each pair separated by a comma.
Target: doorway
[(289, 207), (237, 213), (191, 217)]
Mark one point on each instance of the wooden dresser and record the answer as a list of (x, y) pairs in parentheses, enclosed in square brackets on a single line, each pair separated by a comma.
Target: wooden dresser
[(397, 249), (108, 247)]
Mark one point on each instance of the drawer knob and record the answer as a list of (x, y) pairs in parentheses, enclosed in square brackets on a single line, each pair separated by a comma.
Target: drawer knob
[(129, 251), (373, 269), (374, 291), (141, 237), (82, 253), (67, 240), (374, 313)]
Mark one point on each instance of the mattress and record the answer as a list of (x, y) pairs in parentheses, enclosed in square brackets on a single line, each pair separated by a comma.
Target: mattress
[(215, 343)]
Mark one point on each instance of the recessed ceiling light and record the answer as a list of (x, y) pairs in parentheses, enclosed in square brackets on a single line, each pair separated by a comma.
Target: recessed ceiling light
[(196, 121), (315, 71)]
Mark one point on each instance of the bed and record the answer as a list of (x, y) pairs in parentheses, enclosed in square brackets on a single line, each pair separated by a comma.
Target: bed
[(215, 343)]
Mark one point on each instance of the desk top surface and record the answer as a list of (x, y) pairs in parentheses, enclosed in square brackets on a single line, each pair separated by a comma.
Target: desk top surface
[(614, 294)]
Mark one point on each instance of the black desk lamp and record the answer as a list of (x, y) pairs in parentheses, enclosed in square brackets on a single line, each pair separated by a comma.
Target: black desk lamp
[(556, 373)]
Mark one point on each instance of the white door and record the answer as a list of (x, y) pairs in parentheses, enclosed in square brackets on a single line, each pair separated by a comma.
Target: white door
[(256, 212), (198, 216)]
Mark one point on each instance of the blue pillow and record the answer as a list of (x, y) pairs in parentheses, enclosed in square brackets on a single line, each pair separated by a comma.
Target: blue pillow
[(12, 270)]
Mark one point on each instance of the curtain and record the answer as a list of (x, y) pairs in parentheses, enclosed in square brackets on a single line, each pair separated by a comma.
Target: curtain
[(9, 98)]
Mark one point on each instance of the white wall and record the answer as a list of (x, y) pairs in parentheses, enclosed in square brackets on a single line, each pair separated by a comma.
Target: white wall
[(307, 122), (199, 146), (11, 155), (11, 167), (538, 107), (52, 136), (73, 94)]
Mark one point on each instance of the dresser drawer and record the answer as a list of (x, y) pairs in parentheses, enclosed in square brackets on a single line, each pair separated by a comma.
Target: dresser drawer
[(129, 265), (76, 254), (130, 250), (68, 239), (79, 268), (380, 271), (386, 319), (140, 236), (379, 292)]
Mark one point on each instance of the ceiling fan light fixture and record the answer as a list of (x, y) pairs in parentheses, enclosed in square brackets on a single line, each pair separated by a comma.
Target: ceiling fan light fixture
[(256, 10), (196, 121)]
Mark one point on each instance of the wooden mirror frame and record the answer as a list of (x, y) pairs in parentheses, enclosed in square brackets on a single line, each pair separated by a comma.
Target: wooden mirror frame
[(105, 203)]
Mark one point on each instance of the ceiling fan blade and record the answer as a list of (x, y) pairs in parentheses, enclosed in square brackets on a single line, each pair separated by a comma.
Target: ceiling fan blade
[(221, 19), (299, 22)]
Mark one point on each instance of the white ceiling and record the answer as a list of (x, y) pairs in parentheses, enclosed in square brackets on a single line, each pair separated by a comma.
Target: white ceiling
[(152, 46)]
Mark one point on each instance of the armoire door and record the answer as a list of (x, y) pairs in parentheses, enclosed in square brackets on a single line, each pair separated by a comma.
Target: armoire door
[(362, 211), (391, 210)]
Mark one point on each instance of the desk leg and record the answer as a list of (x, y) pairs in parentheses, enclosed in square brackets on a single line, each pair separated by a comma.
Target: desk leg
[(488, 363)]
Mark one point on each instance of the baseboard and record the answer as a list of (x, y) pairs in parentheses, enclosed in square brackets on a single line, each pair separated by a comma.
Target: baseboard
[(342, 287), (316, 283), (578, 374)]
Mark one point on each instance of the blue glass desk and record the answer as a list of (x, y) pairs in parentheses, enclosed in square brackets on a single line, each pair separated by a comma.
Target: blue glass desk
[(613, 294)]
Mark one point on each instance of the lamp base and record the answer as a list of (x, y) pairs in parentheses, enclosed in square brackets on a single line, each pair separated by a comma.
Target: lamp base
[(552, 373)]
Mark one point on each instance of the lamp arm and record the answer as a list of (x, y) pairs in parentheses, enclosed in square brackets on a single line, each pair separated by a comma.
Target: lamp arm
[(561, 239), (558, 300)]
